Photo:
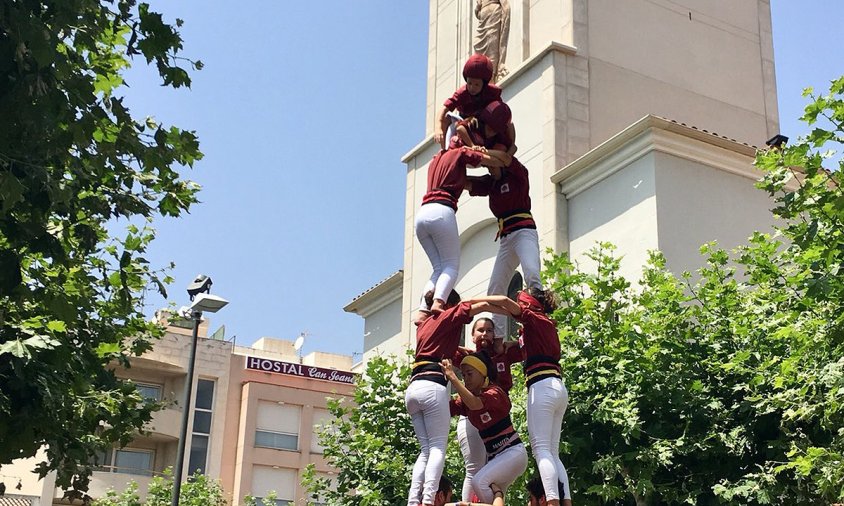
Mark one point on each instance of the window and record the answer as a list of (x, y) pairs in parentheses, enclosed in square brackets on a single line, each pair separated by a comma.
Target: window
[(134, 461), (321, 417), (198, 454), (282, 481), (268, 439), (278, 502), (200, 437), (149, 391), (277, 426), (512, 290), (204, 394), (127, 461), (320, 499)]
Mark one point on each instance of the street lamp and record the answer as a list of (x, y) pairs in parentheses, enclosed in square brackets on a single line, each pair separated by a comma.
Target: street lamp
[(202, 300)]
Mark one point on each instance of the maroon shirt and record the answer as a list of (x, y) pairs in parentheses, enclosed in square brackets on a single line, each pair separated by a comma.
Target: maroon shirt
[(502, 365), (492, 420), (439, 335), (542, 346), (470, 105), (447, 175), (540, 336), (509, 195), (496, 407)]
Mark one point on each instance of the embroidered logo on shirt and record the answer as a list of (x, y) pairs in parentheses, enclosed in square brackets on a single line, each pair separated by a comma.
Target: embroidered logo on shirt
[(501, 367), (505, 188), (485, 418)]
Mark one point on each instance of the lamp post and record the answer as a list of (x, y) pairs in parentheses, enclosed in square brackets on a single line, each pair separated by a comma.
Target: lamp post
[(202, 300)]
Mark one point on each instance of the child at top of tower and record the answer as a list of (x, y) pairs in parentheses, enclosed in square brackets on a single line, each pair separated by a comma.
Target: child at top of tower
[(469, 99)]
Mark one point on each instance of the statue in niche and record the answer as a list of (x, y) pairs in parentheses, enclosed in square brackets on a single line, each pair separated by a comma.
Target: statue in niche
[(493, 30)]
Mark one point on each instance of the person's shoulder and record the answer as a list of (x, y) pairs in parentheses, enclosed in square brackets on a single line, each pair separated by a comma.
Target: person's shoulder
[(530, 315), (460, 93), (495, 392), (493, 91), (437, 156)]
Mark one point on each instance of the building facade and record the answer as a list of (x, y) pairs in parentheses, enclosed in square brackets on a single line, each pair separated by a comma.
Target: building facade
[(252, 420), (636, 121)]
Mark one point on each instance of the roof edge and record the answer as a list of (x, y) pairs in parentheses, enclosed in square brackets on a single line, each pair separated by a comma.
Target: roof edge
[(359, 304)]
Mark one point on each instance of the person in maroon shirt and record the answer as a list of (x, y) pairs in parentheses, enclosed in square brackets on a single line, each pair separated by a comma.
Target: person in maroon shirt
[(426, 398), (468, 100), (503, 355), (436, 220), (487, 406), (508, 190), (547, 394), (471, 444), (492, 126)]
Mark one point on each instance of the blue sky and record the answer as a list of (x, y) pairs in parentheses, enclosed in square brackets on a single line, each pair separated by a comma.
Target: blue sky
[(303, 111)]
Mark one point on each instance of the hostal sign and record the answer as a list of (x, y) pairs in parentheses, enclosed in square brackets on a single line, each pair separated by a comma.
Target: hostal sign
[(302, 371)]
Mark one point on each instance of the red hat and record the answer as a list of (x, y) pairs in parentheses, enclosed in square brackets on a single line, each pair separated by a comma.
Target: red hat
[(497, 116), (478, 66), (529, 300)]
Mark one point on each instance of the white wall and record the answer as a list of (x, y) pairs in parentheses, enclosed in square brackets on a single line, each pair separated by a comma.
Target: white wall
[(382, 331), (649, 57), (620, 209), (697, 203)]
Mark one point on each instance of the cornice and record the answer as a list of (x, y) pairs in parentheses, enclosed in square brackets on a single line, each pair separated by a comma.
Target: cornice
[(650, 134)]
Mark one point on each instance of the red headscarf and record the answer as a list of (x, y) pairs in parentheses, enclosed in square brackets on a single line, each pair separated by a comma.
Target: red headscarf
[(497, 116), (531, 301)]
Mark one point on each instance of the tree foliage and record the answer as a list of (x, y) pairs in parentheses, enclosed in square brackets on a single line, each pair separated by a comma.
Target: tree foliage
[(726, 385), (721, 386), (72, 161), (199, 490)]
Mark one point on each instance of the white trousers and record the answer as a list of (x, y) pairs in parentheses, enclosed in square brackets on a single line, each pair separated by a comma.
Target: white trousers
[(427, 404), (474, 453), (547, 403), (436, 229), (502, 470), (519, 247)]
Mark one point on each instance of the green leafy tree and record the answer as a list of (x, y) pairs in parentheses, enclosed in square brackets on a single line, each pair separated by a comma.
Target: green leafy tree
[(72, 161), (718, 387), (198, 491), (370, 440)]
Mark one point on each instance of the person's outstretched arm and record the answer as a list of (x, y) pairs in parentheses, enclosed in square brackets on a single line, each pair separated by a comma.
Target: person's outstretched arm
[(470, 400), (500, 304)]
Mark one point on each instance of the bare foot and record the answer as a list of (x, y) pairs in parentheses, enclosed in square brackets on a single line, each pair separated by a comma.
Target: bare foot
[(438, 306)]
